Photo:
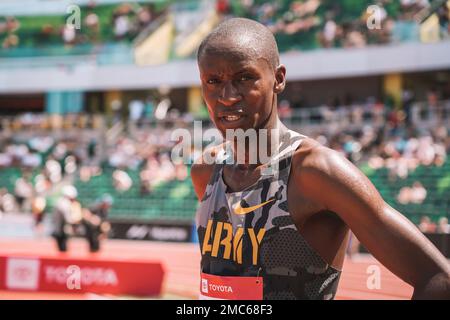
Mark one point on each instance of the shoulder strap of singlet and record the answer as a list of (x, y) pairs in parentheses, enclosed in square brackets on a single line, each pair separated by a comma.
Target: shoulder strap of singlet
[(281, 162)]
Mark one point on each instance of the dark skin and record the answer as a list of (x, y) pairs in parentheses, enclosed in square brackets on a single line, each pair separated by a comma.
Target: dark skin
[(327, 194)]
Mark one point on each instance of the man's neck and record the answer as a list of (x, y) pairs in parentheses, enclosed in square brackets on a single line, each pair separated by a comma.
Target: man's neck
[(268, 140)]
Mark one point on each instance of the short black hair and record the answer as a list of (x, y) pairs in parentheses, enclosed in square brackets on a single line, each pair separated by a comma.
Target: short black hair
[(243, 36)]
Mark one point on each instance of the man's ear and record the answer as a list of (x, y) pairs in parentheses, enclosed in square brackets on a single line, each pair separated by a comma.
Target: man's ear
[(280, 79)]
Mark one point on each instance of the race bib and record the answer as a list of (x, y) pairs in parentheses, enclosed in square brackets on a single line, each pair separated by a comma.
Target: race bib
[(230, 288)]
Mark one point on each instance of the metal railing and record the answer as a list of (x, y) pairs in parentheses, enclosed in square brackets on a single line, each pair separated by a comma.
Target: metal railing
[(421, 114), (352, 117)]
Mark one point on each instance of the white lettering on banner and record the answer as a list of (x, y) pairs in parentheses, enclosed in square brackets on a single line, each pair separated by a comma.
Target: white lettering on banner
[(89, 276), (137, 232), (169, 233), (220, 288), (157, 233), (22, 273)]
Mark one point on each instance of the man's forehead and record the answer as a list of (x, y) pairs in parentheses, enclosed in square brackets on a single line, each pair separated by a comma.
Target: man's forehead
[(227, 63), (236, 57), (236, 48)]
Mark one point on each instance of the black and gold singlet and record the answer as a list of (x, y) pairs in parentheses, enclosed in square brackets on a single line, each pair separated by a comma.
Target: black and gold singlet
[(251, 234)]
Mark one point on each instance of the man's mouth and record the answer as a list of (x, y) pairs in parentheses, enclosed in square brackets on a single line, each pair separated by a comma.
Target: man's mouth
[(231, 118)]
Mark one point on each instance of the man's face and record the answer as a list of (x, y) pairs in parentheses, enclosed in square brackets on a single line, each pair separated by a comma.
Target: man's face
[(238, 90)]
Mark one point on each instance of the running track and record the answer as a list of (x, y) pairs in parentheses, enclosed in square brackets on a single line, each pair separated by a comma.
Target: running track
[(181, 262)]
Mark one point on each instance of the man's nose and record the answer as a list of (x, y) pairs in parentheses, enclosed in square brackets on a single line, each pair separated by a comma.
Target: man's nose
[(229, 95)]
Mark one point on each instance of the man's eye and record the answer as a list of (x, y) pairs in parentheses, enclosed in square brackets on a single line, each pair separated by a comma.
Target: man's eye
[(245, 78), (212, 81)]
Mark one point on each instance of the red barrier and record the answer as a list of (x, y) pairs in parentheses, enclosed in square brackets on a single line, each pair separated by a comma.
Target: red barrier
[(70, 275)]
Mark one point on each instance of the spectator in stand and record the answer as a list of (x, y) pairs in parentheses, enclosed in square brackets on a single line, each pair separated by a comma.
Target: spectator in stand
[(404, 196), (7, 201), (353, 37), (266, 15), (121, 180), (121, 21), (10, 41), (91, 21), (432, 99), (53, 170), (443, 226), (415, 194), (12, 24), (69, 34), (86, 172), (23, 190), (418, 193), (329, 32), (300, 17), (426, 225), (42, 183), (145, 17)]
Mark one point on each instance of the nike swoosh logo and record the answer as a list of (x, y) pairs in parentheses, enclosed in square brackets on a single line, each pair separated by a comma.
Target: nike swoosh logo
[(239, 210)]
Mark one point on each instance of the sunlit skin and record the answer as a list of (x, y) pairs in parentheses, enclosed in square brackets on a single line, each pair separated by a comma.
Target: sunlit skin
[(327, 195), (245, 88)]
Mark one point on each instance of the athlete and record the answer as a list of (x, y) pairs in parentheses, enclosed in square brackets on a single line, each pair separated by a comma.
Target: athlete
[(278, 229)]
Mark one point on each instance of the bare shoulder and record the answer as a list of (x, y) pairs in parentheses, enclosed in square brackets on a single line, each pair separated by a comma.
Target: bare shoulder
[(311, 157), (321, 172), (203, 168)]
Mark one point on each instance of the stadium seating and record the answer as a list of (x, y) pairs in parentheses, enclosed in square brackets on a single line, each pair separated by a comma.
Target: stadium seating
[(174, 200), (41, 35), (8, 177), (436, 180)]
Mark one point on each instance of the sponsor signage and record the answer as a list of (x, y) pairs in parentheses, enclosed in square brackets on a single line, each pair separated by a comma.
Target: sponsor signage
[(84, 275), (230, 288), (151, 231)]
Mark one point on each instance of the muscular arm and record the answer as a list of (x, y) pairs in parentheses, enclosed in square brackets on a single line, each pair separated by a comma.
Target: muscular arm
[(331, 180)]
